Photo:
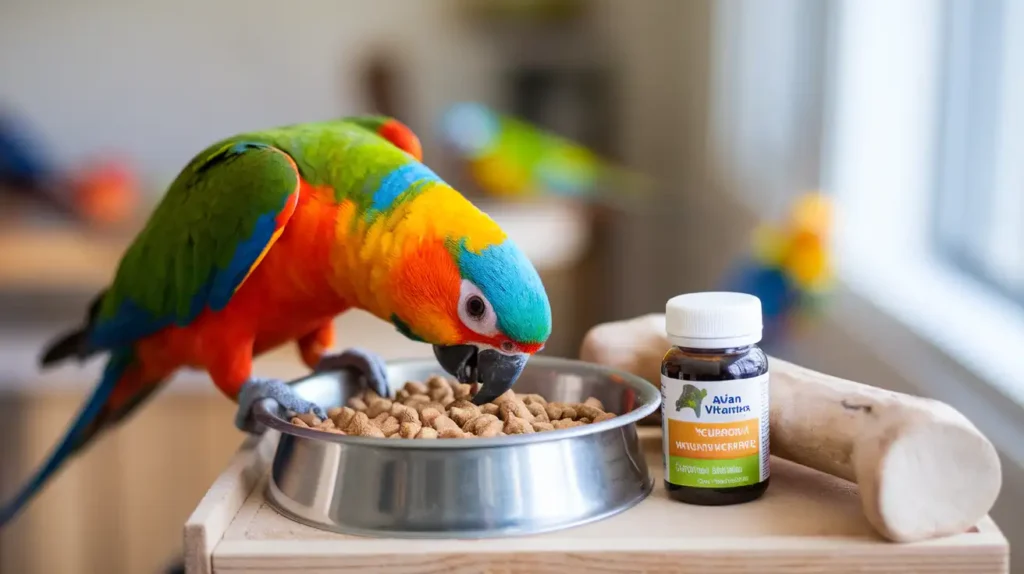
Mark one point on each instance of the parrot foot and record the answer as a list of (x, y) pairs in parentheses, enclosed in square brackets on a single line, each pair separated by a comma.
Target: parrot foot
[(369, 365), (255, 390)]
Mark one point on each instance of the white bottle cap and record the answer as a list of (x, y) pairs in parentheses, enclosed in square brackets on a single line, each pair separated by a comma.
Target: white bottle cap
[(715, 320)]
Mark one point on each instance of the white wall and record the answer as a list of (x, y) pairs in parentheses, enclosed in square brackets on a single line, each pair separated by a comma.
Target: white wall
[(160, 80), (767, 85)]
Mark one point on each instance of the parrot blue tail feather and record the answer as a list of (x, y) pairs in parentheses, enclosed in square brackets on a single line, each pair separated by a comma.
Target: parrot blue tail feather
[(72, 440)]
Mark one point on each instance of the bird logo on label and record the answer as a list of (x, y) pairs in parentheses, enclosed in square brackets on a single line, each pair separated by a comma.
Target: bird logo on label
[(691, 397)]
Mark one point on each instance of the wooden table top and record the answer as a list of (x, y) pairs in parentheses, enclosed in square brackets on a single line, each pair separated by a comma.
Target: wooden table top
[(806, 522)]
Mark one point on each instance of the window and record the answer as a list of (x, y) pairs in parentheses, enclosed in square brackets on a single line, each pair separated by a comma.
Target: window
[(979, 223), (925, 157)]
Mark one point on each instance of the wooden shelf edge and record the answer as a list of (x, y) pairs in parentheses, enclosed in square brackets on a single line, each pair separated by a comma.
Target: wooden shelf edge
[(218, 508), (58, 258)]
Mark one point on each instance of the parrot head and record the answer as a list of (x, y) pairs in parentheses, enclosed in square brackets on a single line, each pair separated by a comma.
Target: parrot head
[(503, 317), (467, 289)]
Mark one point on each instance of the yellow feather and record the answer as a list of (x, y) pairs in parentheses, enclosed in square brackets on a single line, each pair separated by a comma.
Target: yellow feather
[(365, 253), (440, 211)]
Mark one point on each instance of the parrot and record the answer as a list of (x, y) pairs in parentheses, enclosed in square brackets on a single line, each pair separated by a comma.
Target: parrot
[(789, 269), (100, 193), (23, 163), (510, 158), (263, 239)]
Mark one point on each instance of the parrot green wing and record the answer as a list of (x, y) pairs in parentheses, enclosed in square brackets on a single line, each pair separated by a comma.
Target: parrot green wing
[(216, 222)]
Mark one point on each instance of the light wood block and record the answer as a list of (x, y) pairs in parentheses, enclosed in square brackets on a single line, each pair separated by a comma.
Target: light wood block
[(807, 522)]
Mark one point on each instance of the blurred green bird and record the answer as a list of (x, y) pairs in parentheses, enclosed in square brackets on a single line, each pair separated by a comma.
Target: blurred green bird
[(508, 157)]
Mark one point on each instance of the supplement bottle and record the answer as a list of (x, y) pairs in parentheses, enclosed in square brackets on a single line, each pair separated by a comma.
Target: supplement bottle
[(714, 390)]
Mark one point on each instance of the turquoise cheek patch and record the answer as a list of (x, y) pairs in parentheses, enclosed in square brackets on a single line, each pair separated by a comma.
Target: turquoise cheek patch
[(511, 283)]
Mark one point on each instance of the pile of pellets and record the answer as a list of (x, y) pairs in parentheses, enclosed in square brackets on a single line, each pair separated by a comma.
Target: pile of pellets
[(441, 409)]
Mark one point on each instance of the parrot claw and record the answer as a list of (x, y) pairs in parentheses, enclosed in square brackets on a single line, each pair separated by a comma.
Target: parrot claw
[(369, 365), (255, 390)]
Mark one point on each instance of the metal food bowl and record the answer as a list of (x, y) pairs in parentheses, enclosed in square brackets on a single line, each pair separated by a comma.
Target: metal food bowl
[(465, 488)]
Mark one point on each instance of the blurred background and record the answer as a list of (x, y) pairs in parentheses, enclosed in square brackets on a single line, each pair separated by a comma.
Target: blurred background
[(855, 164)]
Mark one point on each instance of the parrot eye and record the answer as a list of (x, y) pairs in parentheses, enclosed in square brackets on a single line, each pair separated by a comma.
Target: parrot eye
[(475, 311), (475, 306)]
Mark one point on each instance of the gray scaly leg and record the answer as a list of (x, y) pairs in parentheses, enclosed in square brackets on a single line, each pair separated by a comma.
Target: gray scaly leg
[(256, 389), (367, 364)]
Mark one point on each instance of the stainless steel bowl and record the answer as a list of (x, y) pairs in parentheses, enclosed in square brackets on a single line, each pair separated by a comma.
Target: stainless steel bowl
[(465, 488)]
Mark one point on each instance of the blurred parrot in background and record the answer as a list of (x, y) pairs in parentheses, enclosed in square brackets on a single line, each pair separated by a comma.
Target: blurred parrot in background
[(23, 165), (511, 158), (102, 192), (790, 269), (264, 238)]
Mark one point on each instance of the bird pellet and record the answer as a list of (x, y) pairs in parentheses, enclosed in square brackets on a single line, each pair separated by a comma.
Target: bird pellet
[(440, 408)]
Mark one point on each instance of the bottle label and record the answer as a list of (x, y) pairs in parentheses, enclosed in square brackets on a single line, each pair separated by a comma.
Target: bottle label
[(715, 432)]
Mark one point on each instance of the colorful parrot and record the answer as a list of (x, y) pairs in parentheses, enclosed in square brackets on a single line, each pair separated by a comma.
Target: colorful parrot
[(508, 157), (102, 193), (264, 238), (23, 161), (790, 269)]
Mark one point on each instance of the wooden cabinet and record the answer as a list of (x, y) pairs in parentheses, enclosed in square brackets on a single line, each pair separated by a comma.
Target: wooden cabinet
[(119, 506)]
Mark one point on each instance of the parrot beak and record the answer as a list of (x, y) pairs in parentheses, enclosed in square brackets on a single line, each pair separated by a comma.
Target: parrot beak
[(459, 361), (496, 372)]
